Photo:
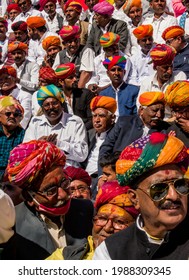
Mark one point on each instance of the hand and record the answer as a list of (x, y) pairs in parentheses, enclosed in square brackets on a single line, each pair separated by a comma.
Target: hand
[(101, 181), (172, 133), (52, 138), (184, 124), (43, 138), (94, 88)]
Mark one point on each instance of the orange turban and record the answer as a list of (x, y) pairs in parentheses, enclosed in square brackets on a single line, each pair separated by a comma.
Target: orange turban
[(35, 22), (8, 70), (74, 4), (108, 39), (17, 46), (151, 97), (131, 3), (105, 102), (172, 32), (162, 54), (51, 41), (177, 94), (65, 70), (143, 31)]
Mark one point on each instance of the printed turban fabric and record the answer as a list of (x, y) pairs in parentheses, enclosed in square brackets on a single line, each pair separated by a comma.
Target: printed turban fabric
[(19, 25), (51, 41), (65, 70), (106, 102), (177, 94), (13, 6), (103, 8), (8, 70), (131, 3), (143, 31), (77, 6), (42, 3), (162, 54), (49, 91), (172, 32), (113, 193), (17, 46), (30, 159), (48, 74), (114, 61), (77, 173), (68, 32), (35, 22), (151, 97), (108, 39), (6, 101), (147, 153)]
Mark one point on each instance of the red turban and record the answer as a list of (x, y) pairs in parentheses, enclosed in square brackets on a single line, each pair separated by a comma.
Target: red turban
[(35, 22), (4, 22), (151, 97), (17, 46), (77, 173), (162, 54), (143, 31), (172, 32), (51, 41), (19, 25), (68, 32), (106, 102), (42, 3), (48, 74), (114, 61), (13, 6), (65, 70)]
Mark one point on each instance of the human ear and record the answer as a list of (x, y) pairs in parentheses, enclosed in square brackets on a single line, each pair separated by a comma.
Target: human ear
[(132, 194)]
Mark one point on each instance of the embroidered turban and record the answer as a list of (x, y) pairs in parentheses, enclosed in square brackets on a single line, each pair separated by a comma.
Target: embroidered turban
[(143, 31), (103, 8), (147, 153), (76, 5), (51, 41), (106, 102), (151, 97), (77, 173), (114, 60), (162, 54), (17, 46), (4, 22), (172, 32), (68, 32), (65, 70), (129, 4), (48, 74), (19, 25), (13, 6), (32, 158), (42, 3), (113, 193), (49, 91), (177, 94), (8, 70), (35, 22), (108, 39), (6, 101)]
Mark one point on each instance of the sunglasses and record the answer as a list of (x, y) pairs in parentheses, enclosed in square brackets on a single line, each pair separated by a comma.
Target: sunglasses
[(158, 191), (15, 114)]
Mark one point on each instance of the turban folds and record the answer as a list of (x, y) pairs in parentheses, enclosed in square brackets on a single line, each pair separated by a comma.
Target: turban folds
[(129, 4), (177, 94), (162, 54), (68, 32), (13, 6), (77, 173), (65, 70), (8, 70), (172, 32), (6, 101), (103, 8), (48, 74), (106, 102), (49, 91), (17, 46), (42, 3), (143, 31), (19, 25), (147, 153), (50, 41), (74, 4), (114, 61), (30, 159), (151, 97), (35, 22), (108, 39)]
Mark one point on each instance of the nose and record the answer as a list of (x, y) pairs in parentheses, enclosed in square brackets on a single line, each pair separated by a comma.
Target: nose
[(158, 114), (172, 194), (61, 194), (77, 194), (109, 226)]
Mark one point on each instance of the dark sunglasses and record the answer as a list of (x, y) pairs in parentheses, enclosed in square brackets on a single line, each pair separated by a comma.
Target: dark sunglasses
[(15, 114), (158, 191)]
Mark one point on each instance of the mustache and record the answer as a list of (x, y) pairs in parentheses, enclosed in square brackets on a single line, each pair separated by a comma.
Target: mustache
[(52, 111), (155, 119), (168, 204)]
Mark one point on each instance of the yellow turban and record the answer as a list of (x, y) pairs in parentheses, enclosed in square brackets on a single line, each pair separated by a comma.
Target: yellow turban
[(131, 3), (17, 46), (143, 31), (6, 101), (151, 97), (51, 41), (177, 94), (105, 102), (35, 22), (172, 32)]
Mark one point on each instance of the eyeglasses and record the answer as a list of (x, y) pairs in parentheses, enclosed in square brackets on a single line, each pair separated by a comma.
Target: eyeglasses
[(158, 191), (15, 114), (168, 42), (52, 191), (81, 189), (116, 222), (54, 104), (21, 4)]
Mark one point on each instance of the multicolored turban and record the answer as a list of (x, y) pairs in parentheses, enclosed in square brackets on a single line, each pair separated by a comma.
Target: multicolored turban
[(49, 91), (106, 102), (143, 31), (77, 173), (172, 32), (151, 97), (17, 46), (76, 5), (65, 70), (30, 159), (147, 153), (6, 101), (177, 94), (131, 3), (162, 54), (42, 3), (103, 8), (108, 39), (48, 74), (68, 32), (114, 60), (113, 193), (4, 22), (19, 25), (8, 70), (51, 41), (13, 6), (35, 22)]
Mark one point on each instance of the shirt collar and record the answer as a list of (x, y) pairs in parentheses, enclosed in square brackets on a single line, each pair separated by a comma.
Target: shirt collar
[(62, 121), (101, 136)]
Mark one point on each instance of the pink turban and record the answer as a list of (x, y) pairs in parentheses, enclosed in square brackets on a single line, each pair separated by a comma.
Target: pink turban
[(103, 8), (77, 173), (68, 32)]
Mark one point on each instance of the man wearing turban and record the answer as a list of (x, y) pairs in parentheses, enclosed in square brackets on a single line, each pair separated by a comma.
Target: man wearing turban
[(52, 45), (27, 10), (155, 167), (20, 31), (13, 10)]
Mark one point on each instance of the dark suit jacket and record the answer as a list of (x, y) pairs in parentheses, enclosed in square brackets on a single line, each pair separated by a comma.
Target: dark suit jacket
[(183, 136)]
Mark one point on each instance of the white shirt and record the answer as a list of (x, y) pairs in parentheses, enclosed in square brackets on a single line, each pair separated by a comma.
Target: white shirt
[(119, 14), (23, 17), (52, 24), (132, 45), (4, 47)]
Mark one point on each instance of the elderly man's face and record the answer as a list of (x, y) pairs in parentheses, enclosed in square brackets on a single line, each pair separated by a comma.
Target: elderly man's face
[(72, 45), (158, 6), (10, 117), (7, 82), (20, 35), (52, 109), (79, 189), (101, 20), (181, 112), (164, 72), (152, 115), (102, 120)]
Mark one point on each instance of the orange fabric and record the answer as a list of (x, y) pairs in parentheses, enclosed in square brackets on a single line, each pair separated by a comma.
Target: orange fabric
[(172, 32), (151, 97), (105, 102), (143, 31), (35, 22)]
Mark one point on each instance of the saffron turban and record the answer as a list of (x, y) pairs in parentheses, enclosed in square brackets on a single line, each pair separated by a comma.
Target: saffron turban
[(65, 70), (4, 22), (147, 153), (77, 173), (42, 3), (113, 193), (129, 4), (108, 39), (143, 31), (17, 46), (151, 97), (49, 91), (103, 8), (28, 160), (68, 32), (35, 22), (13, 6), (74, 4), (177, 94), (48, 74), (162, 54), (6, 101), (172, 32), (50, 41), (19, 25), (8, 70), (106, 102), (114, 60)]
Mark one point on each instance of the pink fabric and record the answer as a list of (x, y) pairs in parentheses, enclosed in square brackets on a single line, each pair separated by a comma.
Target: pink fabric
[(178, 7)]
